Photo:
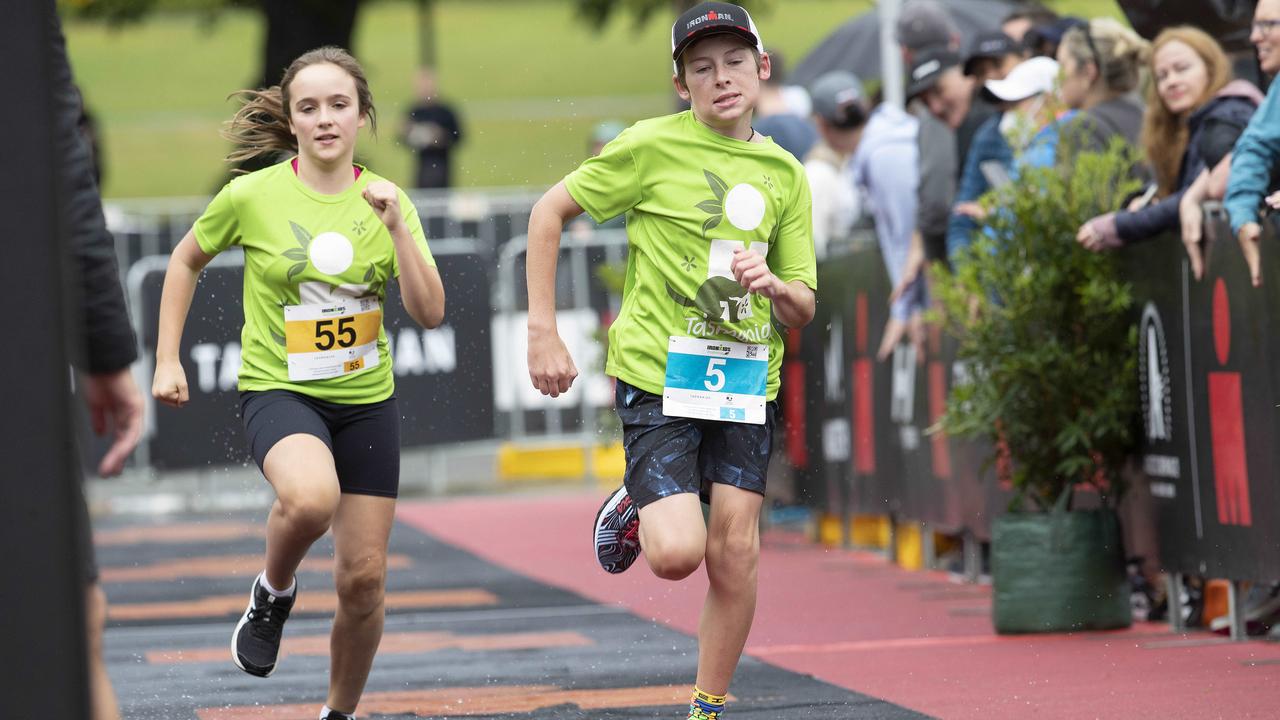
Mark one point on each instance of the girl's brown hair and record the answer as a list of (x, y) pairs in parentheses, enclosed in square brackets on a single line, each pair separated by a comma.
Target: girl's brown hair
[(261, 126), (1164, 134)]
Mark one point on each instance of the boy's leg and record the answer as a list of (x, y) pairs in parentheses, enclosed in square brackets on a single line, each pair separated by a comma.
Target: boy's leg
[(673, 535), (734, 462), (733, 553), (662, 480)]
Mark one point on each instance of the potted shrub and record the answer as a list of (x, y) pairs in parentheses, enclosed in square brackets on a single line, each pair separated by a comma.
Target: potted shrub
[(1048, 339)]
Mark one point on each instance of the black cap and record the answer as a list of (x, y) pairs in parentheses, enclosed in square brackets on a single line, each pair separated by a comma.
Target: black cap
[(928, 67), (710, 18), (992, 44)]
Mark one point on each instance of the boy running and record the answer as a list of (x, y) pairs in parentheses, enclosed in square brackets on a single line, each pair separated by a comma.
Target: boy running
[(720, 231)]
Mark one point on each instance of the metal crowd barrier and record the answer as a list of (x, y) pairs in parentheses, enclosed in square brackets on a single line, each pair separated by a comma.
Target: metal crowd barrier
[(487, 217), (584, 308)]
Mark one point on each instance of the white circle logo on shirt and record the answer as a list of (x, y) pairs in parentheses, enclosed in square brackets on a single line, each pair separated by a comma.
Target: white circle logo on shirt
[(331, 253), (744, 206)]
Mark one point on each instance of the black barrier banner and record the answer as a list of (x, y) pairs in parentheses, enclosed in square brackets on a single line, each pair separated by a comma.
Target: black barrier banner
[(823, 455), (870, 418), (1208, 379), (877, 452), (444, 377)]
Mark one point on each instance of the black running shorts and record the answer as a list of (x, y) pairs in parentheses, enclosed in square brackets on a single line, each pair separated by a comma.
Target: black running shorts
[(671, 455), (364, 439)]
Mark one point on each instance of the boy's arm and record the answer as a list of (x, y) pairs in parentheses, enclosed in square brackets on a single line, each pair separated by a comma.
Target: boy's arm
[(793, 302), (551, 369)]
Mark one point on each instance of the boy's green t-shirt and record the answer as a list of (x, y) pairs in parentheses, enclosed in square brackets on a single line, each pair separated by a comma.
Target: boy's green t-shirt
[(692, 196), (308, 250)]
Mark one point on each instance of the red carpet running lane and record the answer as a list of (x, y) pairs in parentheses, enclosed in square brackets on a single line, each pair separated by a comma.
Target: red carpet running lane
[(911, 638)]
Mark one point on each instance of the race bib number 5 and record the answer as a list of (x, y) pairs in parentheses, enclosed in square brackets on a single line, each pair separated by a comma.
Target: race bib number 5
[(325, 340), (716, 380)]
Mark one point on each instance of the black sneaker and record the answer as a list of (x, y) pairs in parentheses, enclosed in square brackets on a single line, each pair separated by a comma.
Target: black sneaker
[(617, 532), (335, 715), (255, 644)]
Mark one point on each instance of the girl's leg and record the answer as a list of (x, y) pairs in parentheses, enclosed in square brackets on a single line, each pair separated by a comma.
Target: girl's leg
[(300, 468), (361, 530), (733, 554), (673, 535)]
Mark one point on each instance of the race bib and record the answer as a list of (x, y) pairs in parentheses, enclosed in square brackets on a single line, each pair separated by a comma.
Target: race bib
[(716, 380), (331, 339)]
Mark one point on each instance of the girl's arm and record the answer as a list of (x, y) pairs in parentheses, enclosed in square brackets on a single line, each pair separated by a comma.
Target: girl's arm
[(420, 286), (170, 383)]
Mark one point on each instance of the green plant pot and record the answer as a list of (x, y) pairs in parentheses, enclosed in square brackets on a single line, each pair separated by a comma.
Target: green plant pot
[(1058, 572)]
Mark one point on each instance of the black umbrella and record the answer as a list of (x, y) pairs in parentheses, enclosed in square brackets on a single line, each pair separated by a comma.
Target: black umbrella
[(1226, 20), (855, 45)]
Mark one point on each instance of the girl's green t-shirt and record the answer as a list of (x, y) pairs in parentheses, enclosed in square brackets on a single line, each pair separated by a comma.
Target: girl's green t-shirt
[(316, 268), (692, 196)]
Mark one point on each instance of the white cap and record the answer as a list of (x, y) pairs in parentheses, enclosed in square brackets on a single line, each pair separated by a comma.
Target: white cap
[(1028, 78)]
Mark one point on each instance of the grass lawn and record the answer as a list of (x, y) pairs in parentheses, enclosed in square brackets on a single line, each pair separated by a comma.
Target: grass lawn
[(529, 78)]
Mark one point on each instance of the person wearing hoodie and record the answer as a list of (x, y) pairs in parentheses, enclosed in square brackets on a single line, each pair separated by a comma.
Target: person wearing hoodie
[(1258, 149), (991, 158), (885, 167), (840, 114), (1195, 113), (1101, 63)]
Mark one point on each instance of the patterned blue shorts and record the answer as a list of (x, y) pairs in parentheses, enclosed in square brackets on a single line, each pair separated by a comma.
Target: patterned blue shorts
[(670, 455)]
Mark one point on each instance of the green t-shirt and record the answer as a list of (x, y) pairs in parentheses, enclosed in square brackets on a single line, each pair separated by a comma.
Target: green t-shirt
[(304, 249), (692, 196)]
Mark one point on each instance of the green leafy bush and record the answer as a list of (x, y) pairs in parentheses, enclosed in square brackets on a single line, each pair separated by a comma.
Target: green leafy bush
[(1046, 331)]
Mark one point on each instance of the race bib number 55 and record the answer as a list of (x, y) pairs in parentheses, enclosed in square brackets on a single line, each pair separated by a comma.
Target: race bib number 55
[(325, 340)]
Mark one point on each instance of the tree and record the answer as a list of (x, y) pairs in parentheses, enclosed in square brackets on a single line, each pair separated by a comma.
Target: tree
[(293, 26)]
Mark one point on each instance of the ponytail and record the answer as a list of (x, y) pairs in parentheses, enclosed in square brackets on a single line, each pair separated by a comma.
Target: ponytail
[(260, 127)]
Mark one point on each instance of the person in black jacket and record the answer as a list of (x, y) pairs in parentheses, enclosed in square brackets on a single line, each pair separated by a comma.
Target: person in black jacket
[(1195, 113), (106, 344), (432, 130)]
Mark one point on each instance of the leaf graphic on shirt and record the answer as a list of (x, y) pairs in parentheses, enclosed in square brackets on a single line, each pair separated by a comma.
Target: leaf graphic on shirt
[(711, 222), (368, 276), (297, 268), (718, 186), (712, 207), (680, 299), (277, 337), (300, 234), (295, 254)]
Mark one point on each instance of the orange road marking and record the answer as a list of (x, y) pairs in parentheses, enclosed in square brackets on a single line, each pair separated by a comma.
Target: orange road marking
[(181, 533), (392, 643), (308, 601), (220, 566), (886, 644), (464, 701)]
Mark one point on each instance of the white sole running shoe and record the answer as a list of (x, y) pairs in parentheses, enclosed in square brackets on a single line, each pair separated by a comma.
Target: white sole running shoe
[(617, 532)]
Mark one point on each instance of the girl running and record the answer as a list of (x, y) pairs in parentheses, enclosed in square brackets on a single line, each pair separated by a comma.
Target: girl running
[(321, 238)]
